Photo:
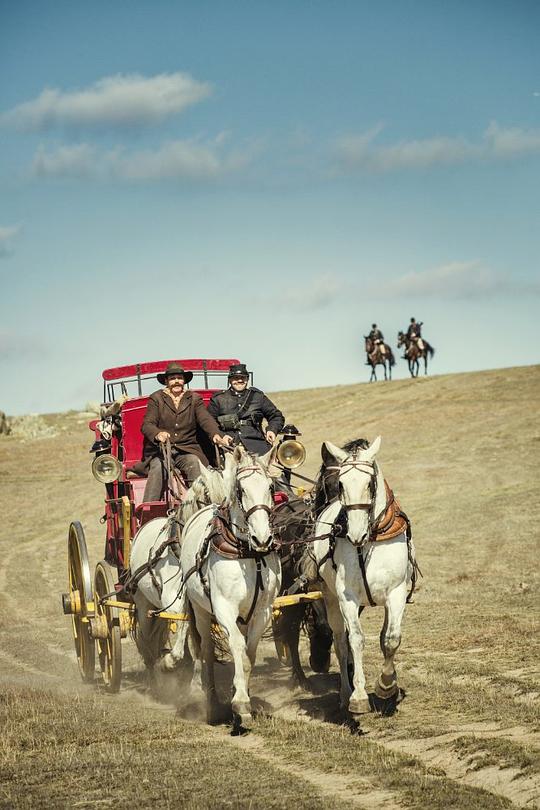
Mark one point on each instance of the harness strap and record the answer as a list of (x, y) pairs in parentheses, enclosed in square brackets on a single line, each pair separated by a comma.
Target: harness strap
[(362, 565), (132, 582), (329, 554), (260, 561), (299, 584)]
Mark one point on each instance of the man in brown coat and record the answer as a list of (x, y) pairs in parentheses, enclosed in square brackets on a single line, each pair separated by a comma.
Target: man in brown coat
[(175, 414)]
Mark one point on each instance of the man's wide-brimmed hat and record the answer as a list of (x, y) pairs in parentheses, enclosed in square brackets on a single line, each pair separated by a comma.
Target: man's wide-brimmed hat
[(238, 370), (174, 368)]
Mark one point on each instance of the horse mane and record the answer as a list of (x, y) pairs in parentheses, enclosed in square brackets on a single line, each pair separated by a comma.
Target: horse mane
[(207, 488), (235, 465), (326, 488)]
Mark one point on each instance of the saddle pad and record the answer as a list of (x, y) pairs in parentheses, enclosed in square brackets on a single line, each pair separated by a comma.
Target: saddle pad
[(394, 522), (223, 540)]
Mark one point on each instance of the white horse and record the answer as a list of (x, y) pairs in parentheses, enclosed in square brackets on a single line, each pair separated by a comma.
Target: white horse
[(156, 546), (237, 590), (359, 571)]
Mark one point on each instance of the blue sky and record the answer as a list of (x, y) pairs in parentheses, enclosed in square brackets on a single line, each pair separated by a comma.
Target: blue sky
[(263, 180)]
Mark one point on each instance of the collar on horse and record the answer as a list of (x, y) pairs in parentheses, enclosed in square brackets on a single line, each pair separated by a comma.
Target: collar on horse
[(390, 524), (227, 544)]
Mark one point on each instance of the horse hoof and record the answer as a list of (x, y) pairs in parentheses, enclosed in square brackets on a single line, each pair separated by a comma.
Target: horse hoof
[(242, 721), (386, 692), (242, 713), (359, 706), (167, 663)]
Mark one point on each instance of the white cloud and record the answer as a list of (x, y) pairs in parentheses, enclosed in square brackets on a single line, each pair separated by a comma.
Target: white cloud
[(117, 101), (319, 293), (511, 142), (359, 152), (456, 280), (66, 161), (7, 233), (175, 160)]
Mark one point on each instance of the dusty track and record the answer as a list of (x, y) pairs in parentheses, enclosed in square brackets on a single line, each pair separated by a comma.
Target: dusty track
[(461, 452)]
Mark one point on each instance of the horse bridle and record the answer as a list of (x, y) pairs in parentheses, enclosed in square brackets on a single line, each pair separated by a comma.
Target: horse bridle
[(358, 465), (258, 506)]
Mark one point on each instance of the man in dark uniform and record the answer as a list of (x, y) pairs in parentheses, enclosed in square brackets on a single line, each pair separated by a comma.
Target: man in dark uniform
[(414, 332), (377, 339), (376, 333), (240, 411), (175, 414)]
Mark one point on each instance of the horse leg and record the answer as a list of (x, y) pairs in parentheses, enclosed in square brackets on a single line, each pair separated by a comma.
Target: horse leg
[(203, 622), (196, 688), (320, 638), (425, 363), (386, 685), (240, 703), (358, 701), (149, 637), (384, 366), (341, 646), (173, 659), (373, 374), (291, 636)]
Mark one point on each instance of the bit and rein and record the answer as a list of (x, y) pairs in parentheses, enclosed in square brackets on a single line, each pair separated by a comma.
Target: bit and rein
[(259, 506), (356, 464)]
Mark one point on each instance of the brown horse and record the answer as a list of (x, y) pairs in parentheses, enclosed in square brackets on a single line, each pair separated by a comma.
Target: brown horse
[(376, 357), (414, 353)]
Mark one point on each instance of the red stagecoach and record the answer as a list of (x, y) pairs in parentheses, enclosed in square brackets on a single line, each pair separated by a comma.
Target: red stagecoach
[(99, 618), (101, 613)]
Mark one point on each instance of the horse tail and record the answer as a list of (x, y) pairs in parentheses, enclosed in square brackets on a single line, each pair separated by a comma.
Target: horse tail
[(391, 357), (431, 350)]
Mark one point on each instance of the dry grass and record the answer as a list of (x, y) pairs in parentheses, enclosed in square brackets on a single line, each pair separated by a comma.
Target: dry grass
[(86, 752), (461, 452)]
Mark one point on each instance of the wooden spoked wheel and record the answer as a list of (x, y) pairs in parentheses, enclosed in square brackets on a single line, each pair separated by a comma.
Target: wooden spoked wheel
[(110, 647), (80, 598)]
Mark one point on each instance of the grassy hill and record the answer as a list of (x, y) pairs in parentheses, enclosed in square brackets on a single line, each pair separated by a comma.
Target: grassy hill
[(461, 453)]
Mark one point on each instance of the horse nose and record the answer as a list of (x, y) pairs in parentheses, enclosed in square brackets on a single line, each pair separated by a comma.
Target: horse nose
[(362, 541), (256, 542)]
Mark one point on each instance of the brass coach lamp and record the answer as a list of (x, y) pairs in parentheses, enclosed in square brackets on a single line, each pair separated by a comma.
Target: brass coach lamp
[(106, 468), (291, 453)]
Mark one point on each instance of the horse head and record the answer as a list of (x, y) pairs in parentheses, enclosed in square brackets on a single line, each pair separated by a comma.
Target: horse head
[(249, 495), (356, 485)]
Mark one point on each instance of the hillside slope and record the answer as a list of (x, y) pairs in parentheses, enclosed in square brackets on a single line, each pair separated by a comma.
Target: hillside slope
[(461, 453)]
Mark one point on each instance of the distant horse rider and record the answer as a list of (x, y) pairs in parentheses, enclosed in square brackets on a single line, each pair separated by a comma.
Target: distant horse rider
[(414, 333), (175, 413), (241, 409), (377, 340)]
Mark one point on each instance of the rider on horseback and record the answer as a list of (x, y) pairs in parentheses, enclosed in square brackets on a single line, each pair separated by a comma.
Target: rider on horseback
[(414, 332), (377, 340)]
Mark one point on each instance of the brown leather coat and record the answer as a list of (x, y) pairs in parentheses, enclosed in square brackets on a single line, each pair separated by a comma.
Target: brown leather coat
[(183, 424)]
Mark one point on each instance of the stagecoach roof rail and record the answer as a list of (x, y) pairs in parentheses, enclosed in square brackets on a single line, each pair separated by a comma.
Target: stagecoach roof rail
[(150, 369)]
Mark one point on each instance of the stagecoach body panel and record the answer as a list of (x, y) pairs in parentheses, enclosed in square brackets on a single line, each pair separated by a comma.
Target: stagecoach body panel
[(101, 612)]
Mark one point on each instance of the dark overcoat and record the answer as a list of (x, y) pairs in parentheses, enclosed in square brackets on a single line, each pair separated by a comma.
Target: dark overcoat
[(376, 334), (184, 423), (251, 406), (415, 329)]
